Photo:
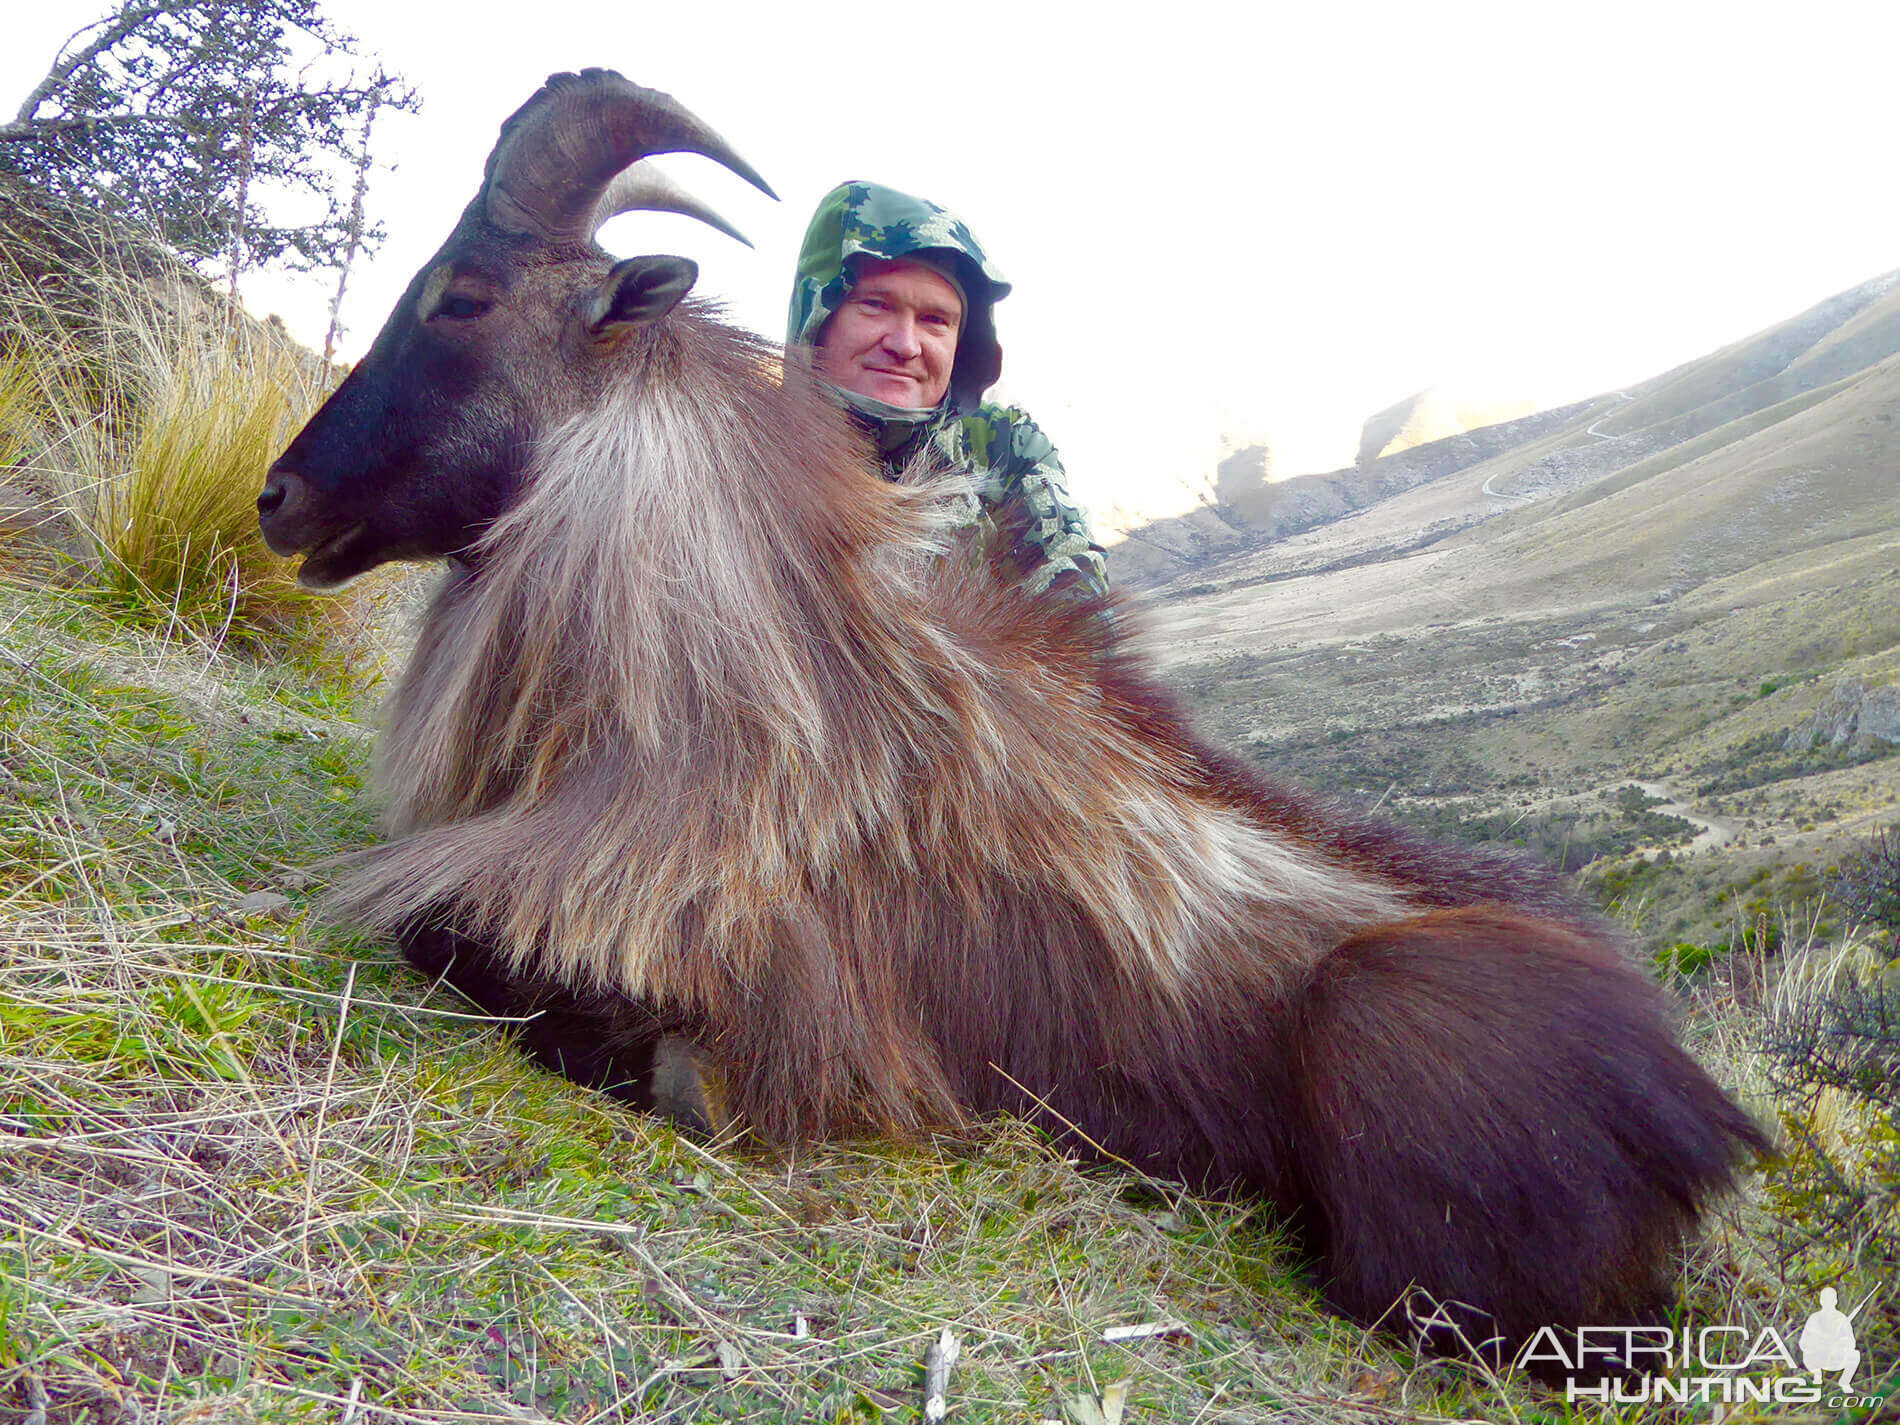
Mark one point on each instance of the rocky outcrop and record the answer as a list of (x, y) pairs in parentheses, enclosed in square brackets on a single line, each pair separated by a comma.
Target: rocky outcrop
[(1251, 509), (1242, 477), (1430, 415), (1853, 717)]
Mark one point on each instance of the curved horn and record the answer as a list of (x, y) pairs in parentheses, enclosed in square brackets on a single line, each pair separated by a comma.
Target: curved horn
[(641, 186), (559, 152)]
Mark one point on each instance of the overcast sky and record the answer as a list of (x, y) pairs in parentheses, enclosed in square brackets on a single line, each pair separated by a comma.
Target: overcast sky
[(1258, 223)]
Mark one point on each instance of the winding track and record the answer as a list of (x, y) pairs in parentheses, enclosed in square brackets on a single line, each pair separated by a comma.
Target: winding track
[(1711, 832)]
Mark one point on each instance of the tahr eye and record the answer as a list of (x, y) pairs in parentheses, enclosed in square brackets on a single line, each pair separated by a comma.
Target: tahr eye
[(461, 309)]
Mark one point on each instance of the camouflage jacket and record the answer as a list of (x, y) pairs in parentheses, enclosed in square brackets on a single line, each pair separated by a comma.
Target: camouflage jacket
[(1019, 479)]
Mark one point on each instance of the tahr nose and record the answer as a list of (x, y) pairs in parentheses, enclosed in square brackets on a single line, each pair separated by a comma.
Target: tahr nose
[(276, 491), (285, 498)]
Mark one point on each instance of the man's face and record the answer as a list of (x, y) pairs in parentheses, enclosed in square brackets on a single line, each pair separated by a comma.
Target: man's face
[(895, 337)]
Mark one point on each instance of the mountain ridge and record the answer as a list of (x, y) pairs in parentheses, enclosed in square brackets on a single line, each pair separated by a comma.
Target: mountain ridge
[(1552, 453)]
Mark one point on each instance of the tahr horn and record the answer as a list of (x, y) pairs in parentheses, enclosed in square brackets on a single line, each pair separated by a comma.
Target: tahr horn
[(560, 167)]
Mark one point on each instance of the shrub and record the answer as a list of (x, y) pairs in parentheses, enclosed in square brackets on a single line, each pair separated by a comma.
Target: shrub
[(1564, 837), (1831, 1046), (1765, 759), (1686, 958), (1867, 885)]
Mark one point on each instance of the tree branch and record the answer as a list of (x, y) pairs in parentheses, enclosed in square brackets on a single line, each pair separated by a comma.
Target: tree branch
[(129, 20), (37, 130), (141, 111)]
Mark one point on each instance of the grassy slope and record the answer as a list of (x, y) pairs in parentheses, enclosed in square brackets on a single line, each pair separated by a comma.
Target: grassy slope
[(1581, 452), (257, 1170)]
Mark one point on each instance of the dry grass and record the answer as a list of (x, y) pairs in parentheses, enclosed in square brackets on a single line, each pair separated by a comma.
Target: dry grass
[(137, 417), (208, 415), (153, 455), (18, 402)]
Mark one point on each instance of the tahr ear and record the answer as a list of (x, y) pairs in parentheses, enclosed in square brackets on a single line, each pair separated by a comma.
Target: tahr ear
[(639, 290)]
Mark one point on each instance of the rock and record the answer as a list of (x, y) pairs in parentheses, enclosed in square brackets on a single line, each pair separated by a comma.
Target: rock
[(1853, 716), (262, 903), (1880, 715)]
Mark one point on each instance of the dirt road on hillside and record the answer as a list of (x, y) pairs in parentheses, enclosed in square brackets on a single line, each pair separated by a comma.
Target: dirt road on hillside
[(1711, 832)]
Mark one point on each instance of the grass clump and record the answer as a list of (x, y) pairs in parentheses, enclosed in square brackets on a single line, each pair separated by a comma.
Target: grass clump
[(18, 404), (176, 531), (138, 413), (153, 454)]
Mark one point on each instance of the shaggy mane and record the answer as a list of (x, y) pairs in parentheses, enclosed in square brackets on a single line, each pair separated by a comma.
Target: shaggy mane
[(688, 738)]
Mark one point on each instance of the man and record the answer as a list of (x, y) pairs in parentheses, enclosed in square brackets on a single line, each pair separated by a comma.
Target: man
[(895, 296)]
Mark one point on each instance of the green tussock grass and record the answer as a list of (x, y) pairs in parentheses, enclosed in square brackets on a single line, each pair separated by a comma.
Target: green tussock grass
[(134, 448), (181, 521), (17, 405)]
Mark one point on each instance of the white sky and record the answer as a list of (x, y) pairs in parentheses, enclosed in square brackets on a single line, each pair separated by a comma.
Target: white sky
[(1259, 222)]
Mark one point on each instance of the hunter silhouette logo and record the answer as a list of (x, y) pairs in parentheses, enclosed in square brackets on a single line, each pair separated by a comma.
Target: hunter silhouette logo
[(1637, 1365), (1827, 1341)]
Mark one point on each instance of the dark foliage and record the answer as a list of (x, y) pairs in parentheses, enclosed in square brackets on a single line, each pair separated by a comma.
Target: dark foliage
[(1847, 1038), (185, 115), (1867, 886), (1840, 1179), (1833, 1055), (1567, 838), (1766, 758)]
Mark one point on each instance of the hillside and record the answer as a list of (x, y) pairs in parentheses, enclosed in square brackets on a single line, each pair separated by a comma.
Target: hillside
[(1428, 416), (1664, 585), (1681, 414)]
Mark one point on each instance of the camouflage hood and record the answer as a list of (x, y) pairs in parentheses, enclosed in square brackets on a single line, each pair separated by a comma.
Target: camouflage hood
[(870, 218)]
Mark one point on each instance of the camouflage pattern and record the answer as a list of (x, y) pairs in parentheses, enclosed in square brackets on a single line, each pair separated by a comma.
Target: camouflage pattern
[(1019, 477), (1019, 483)]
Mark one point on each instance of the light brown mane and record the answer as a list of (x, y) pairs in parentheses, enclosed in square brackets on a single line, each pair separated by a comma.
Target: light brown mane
[(709, 706)]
